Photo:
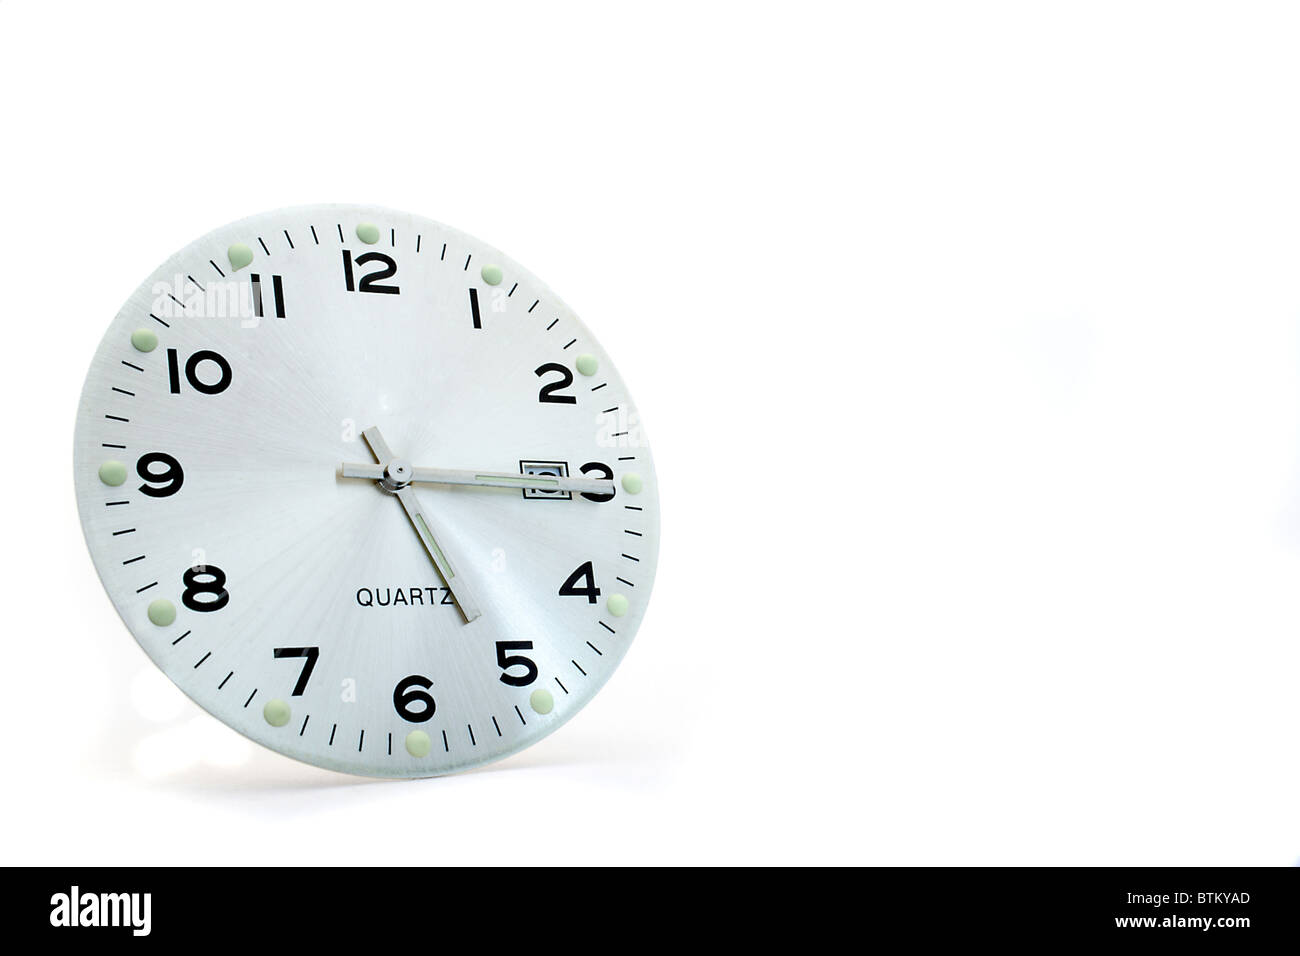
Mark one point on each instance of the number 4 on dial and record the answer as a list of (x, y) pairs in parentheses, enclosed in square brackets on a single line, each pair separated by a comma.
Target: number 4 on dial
[(573, 586)]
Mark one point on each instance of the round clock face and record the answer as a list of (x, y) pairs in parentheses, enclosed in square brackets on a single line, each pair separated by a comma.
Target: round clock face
[(366, 490)]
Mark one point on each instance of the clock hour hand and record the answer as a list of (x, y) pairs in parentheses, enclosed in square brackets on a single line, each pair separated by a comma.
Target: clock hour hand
[(394, 478), (458, 588), (485, 479)]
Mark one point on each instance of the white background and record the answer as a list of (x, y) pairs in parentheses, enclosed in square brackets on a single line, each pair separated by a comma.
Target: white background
[(966, 338)]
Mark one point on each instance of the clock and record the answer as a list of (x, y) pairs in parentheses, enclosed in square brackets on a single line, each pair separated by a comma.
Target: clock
[(366, 490)]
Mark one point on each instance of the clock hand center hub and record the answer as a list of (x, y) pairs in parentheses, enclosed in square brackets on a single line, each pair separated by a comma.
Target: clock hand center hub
[(397, 475)]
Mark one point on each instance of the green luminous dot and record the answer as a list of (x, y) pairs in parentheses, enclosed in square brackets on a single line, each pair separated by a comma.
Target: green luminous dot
[(542, 701), (368, 233), (112, 473), (144, 340), (632, 484), (276, 712), (162, 612), (240, 255), (587, 364), (491, 274), (417, 743), (617, 605)]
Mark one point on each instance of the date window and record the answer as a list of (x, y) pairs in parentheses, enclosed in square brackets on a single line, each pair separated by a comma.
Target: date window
[(552, 469)]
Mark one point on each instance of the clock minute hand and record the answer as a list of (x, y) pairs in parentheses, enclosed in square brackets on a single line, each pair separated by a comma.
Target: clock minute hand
[(485, 479), (394, 478)]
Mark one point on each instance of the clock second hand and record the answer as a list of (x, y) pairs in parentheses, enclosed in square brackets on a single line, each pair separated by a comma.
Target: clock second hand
[(395, 479), (485, 479)]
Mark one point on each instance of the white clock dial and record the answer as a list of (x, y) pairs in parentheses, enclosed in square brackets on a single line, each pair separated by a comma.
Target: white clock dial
[(300, 459)]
